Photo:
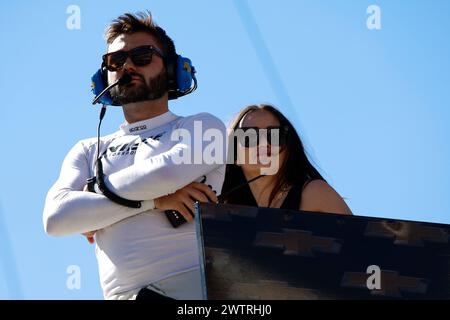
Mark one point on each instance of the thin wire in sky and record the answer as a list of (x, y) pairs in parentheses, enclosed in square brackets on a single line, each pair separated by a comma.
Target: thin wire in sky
[(8, 262)]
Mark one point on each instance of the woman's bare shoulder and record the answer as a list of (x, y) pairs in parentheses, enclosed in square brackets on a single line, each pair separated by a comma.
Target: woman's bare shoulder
[(319, 196)]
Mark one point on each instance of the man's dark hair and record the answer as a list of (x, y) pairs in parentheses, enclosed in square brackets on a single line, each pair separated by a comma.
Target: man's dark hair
[(140, 22)]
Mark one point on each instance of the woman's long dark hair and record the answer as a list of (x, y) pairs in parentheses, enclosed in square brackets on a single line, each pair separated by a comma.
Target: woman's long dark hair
[(296, 168)]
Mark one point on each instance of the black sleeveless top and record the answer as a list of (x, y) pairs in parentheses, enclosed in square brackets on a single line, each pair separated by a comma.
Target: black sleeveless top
[(291, 202), (293, 198), (244, 196)]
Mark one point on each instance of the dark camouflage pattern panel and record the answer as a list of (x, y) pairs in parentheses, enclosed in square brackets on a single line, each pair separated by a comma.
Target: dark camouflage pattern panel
[(261, 253)]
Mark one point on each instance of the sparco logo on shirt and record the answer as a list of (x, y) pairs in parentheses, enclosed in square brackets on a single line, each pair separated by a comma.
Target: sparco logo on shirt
[(143, 127)]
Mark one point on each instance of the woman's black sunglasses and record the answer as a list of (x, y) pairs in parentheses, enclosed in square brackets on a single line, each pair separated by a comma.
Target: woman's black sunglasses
[(140, 56), (250, 136)]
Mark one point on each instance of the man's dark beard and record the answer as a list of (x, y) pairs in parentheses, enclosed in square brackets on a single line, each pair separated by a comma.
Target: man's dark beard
[(141, 91)]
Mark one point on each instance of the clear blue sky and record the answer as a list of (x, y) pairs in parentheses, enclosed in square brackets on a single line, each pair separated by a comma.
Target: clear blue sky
[(372, 106)]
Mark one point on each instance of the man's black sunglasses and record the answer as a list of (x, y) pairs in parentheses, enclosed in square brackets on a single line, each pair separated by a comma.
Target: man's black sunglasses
[(251, 136), (140, 56)]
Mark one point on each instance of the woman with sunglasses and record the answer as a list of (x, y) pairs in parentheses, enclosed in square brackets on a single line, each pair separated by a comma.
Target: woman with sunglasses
[(296, 185)]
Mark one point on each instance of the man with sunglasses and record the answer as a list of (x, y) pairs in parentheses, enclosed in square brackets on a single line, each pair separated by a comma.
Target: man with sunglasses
[(140, 56), (139, 253)]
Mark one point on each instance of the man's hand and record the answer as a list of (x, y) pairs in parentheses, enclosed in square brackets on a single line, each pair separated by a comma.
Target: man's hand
[(183, 200)]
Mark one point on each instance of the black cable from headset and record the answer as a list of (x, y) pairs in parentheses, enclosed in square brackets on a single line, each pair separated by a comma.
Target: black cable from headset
[(99, 177), (222, 197)]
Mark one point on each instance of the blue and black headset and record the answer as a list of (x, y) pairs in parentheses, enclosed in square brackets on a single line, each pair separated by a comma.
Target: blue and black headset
[(180, 75)]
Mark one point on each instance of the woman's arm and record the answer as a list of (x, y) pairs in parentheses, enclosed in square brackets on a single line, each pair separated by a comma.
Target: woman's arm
[(319, 196)]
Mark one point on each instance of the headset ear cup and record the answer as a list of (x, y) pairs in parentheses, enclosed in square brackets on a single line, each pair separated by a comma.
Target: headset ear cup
[(98, 83), (185, 72), (107, 99), (180, 74)]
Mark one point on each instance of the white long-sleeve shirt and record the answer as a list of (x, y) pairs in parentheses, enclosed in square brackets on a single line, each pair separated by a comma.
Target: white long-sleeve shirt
[(136, 247)]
